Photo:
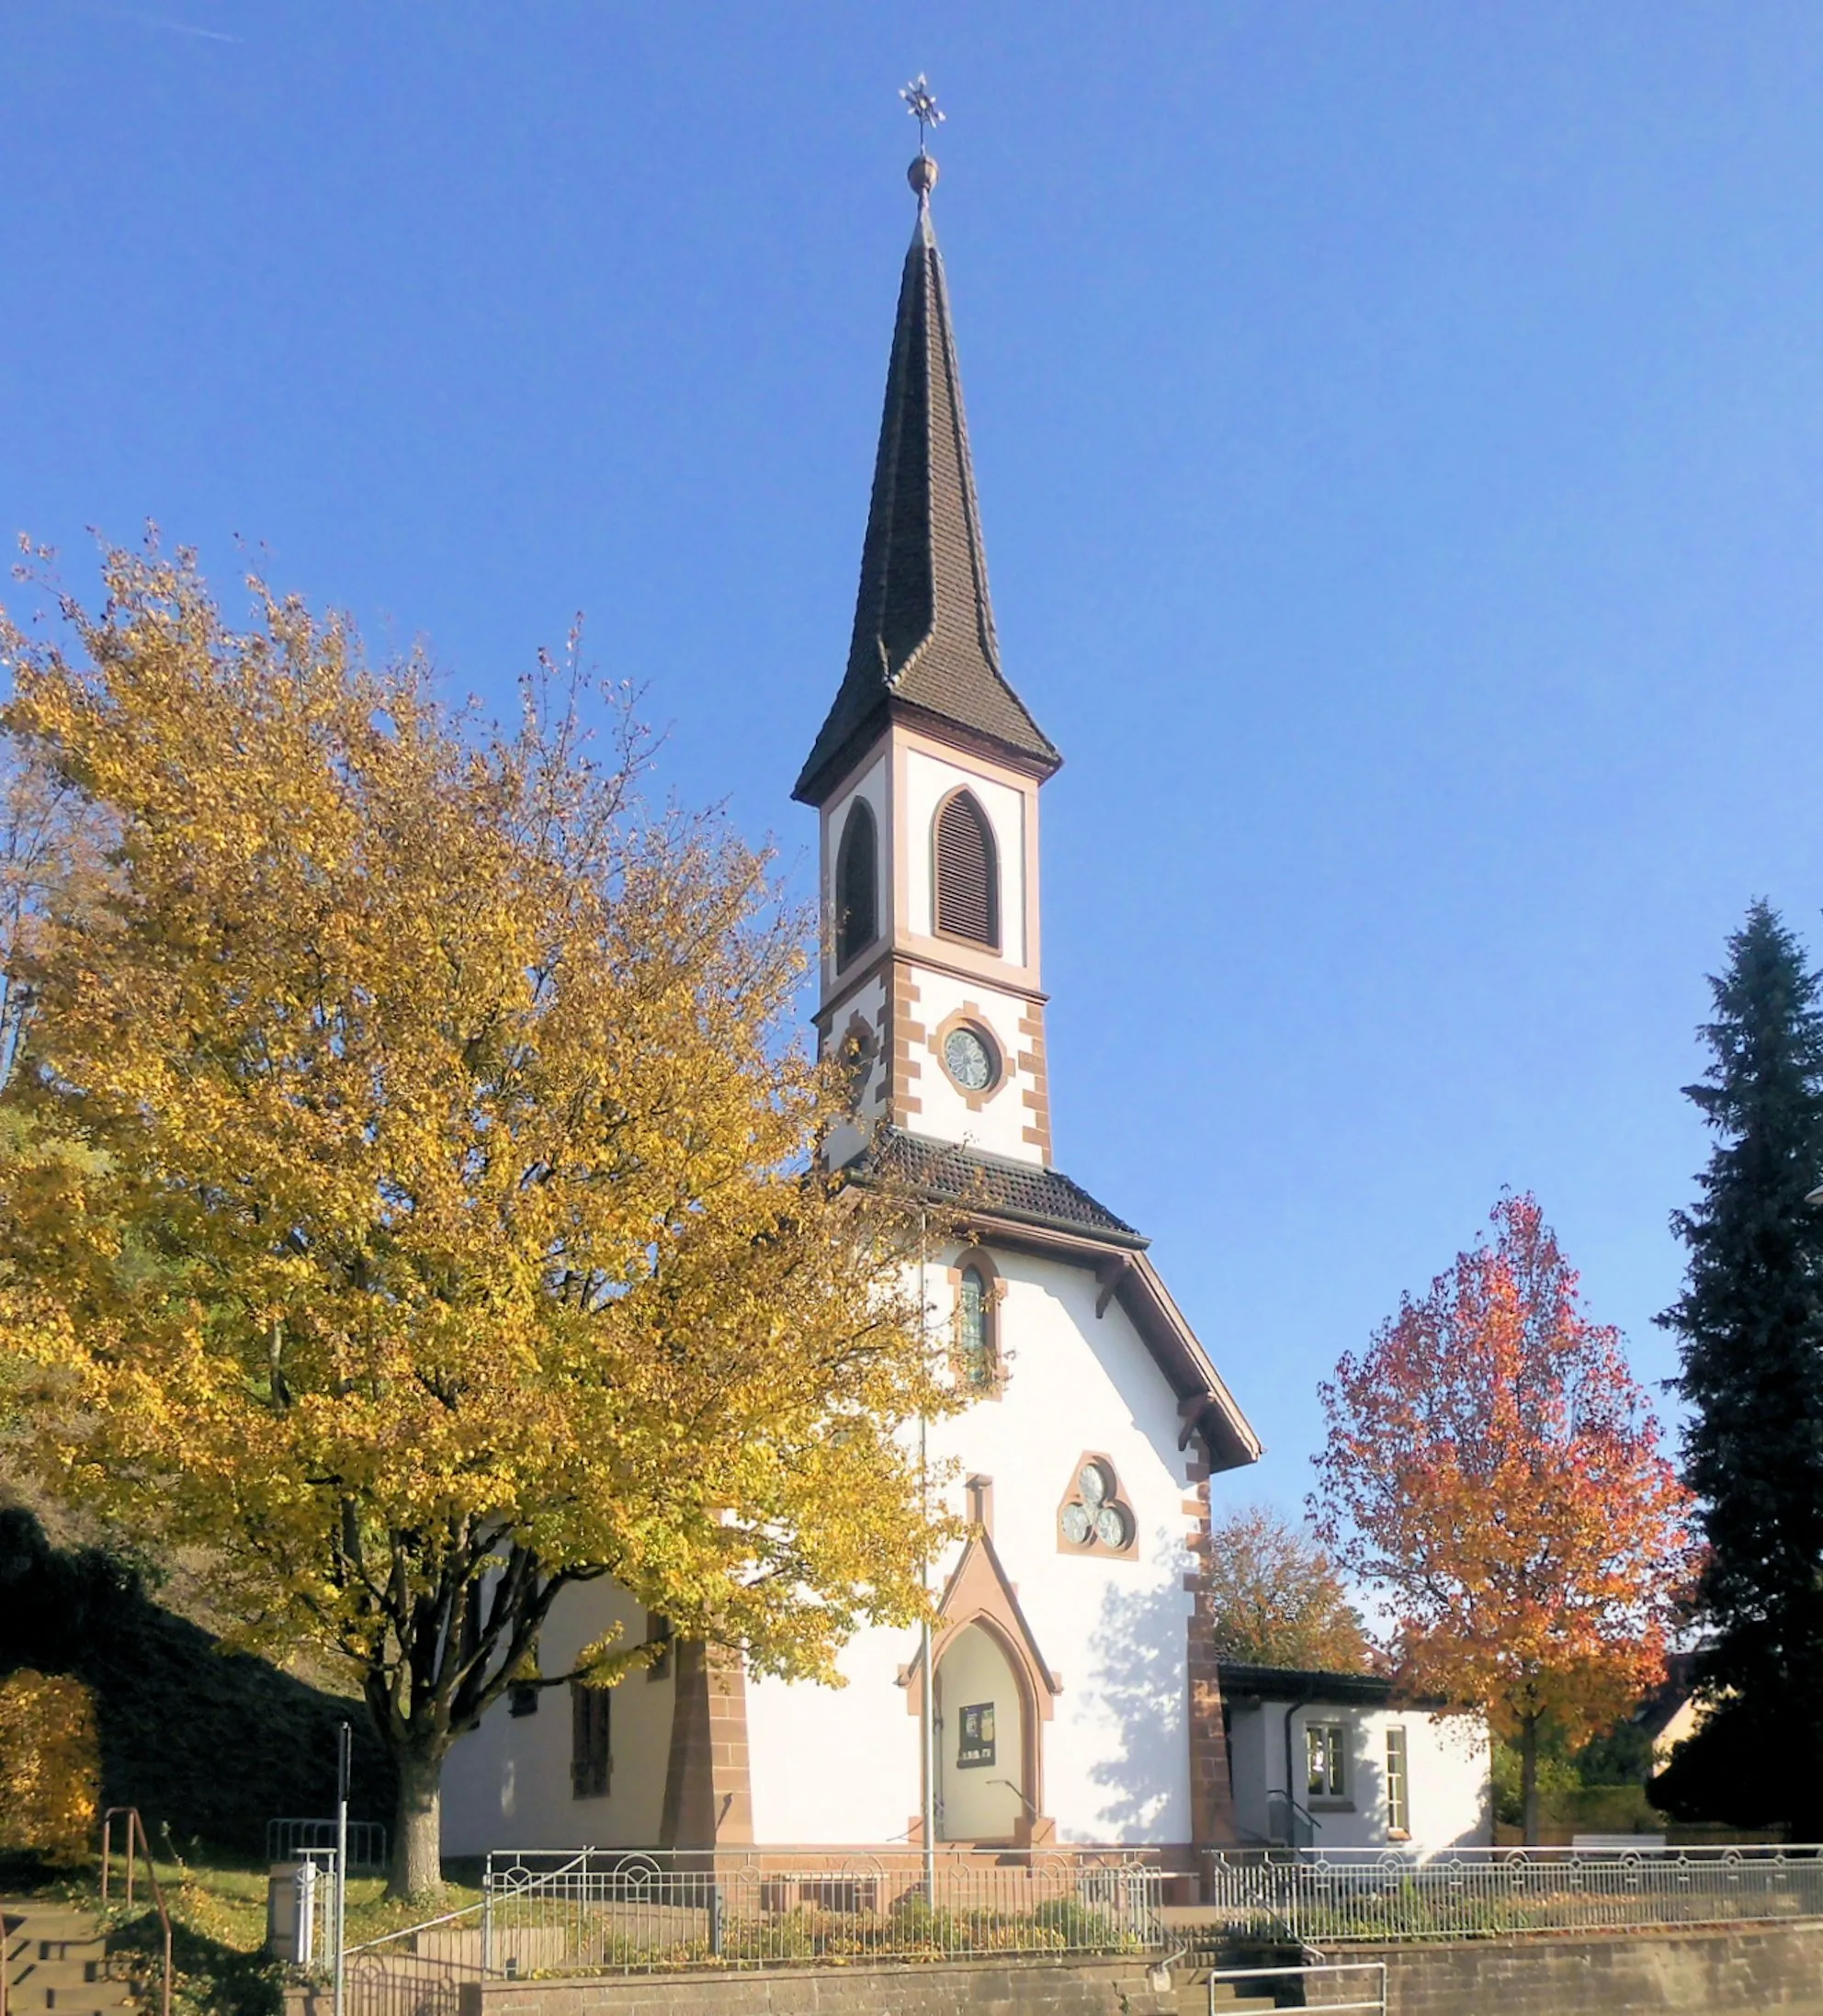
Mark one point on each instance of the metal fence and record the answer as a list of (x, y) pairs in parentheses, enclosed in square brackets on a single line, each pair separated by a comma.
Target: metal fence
[(419, 1971), (611, 1910), (289, 1840), (1321, 1896)]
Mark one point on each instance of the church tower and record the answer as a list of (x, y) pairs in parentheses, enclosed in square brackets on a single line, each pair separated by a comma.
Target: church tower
[(926, 775)]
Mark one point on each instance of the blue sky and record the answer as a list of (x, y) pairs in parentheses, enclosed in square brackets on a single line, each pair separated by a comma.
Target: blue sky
[(1400, 431)]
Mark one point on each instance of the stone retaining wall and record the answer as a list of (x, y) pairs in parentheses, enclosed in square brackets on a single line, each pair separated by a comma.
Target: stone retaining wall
[(1758, 1970), (1730, 1971), (1029, 1987)]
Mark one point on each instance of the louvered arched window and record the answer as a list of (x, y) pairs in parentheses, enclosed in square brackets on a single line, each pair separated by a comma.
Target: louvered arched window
[(856, 883), (968, 873)]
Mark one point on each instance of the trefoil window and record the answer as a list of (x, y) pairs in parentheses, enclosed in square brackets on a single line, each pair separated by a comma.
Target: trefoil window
[(1096, 1517)]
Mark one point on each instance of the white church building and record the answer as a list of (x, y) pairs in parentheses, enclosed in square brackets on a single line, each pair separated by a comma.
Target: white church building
[(1075, 1697)]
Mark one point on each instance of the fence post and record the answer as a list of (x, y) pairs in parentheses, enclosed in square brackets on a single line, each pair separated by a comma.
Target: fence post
[(715, 1917), (487, 1919)]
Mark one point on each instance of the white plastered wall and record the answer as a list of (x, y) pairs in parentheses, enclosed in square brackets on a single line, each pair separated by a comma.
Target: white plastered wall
[(508, 1784), (997, 1123), (832, 1765), (867, 1002)]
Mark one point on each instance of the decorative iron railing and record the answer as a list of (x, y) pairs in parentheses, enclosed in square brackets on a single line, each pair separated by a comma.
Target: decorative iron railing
[(419, 1971), (1322, 1896), (636, 1910), (292, 1840)]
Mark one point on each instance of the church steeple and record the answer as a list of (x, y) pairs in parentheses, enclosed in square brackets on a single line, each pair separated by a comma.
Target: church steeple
[(923, 645), (927, 775)]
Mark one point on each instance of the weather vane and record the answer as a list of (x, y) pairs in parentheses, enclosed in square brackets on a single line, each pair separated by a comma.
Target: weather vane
[(922, 105)]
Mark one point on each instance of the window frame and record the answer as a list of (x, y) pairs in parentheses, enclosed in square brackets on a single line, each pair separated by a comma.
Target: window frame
[(1326, 1758), (848, 947), (976, 1259), (1399, 1781), (591, 1741), (1095, 1548)]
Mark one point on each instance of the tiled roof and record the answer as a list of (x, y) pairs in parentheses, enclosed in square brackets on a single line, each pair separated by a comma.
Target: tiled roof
[(1244, 1682), (1240, 1682), (923, 624), (989, 1184)]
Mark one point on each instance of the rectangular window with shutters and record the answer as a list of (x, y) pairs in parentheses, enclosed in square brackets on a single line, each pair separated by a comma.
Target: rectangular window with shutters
[(589, 1758), (1398, 1783)]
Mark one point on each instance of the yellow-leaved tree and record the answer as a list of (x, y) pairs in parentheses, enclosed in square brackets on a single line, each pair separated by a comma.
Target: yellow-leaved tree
[(413, 1202)]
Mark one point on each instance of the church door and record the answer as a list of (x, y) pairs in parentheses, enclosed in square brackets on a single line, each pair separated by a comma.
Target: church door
[(981, 1740)]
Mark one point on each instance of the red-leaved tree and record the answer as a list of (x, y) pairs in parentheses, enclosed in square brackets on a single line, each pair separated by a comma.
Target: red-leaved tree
[(1494, 1467)]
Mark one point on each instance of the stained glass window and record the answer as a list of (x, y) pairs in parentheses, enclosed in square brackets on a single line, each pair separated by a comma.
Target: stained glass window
[(973, 1345)]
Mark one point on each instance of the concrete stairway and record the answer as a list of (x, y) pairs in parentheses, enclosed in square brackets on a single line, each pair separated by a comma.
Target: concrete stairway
[(1189, 1995), (56, 1959)]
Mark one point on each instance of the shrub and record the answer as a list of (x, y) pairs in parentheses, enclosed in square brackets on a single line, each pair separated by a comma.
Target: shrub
[(49, 1765)]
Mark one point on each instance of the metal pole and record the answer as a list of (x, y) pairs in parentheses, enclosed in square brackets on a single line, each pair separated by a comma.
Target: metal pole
[(927, 1721), (345, 1758), (929, 1732)]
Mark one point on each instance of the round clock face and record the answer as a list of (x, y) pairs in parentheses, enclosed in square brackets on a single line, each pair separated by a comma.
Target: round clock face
[(1077, 1524), (1111, 1526), (968, 1060)]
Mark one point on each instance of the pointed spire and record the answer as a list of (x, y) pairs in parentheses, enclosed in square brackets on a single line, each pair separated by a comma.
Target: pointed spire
[(923, 625)]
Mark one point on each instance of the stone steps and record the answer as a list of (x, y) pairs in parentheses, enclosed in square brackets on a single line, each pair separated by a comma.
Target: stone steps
[(56, 1959)]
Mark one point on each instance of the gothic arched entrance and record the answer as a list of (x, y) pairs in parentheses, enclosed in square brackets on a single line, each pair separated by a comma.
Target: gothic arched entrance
[(992, 1696), (983, 1740)]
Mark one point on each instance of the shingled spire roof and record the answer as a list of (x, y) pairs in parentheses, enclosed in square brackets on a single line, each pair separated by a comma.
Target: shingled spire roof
[(923, 627)]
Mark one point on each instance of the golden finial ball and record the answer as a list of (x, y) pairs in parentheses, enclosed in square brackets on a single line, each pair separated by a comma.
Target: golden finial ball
[(923, 174)]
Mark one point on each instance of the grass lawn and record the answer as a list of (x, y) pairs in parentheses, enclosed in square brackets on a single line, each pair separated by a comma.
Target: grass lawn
[(218, 1916)]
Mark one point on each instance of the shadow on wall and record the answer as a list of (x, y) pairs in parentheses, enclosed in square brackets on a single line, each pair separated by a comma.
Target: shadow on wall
[(213, 1743), (1137, 1682)]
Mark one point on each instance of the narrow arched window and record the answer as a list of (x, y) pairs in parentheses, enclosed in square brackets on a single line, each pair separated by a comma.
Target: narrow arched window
[(974, 1344), (968, 873), (856, 883)]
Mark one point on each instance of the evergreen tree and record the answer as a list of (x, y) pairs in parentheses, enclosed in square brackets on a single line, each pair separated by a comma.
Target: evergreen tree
[(1750, 1321)]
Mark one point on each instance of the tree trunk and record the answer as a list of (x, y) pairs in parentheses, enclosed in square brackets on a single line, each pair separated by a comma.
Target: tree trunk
[(1528, 1781), (417, 1849)]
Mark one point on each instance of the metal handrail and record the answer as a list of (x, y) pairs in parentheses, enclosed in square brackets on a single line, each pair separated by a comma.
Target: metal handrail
[(1296, 1813), (1376, 2004), (136, 1832)]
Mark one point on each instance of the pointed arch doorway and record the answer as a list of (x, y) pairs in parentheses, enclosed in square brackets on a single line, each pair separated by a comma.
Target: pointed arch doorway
[(983, 1768), (992, 1696)]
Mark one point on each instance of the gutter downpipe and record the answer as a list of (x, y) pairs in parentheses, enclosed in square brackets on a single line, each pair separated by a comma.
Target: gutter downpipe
[(1291, 1806)]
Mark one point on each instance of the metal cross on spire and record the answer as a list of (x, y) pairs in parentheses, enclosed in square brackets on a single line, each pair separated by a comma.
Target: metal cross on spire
[(922, 105)]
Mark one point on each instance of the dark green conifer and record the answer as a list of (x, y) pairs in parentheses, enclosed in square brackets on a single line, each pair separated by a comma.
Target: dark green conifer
[(1750, 1323)]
